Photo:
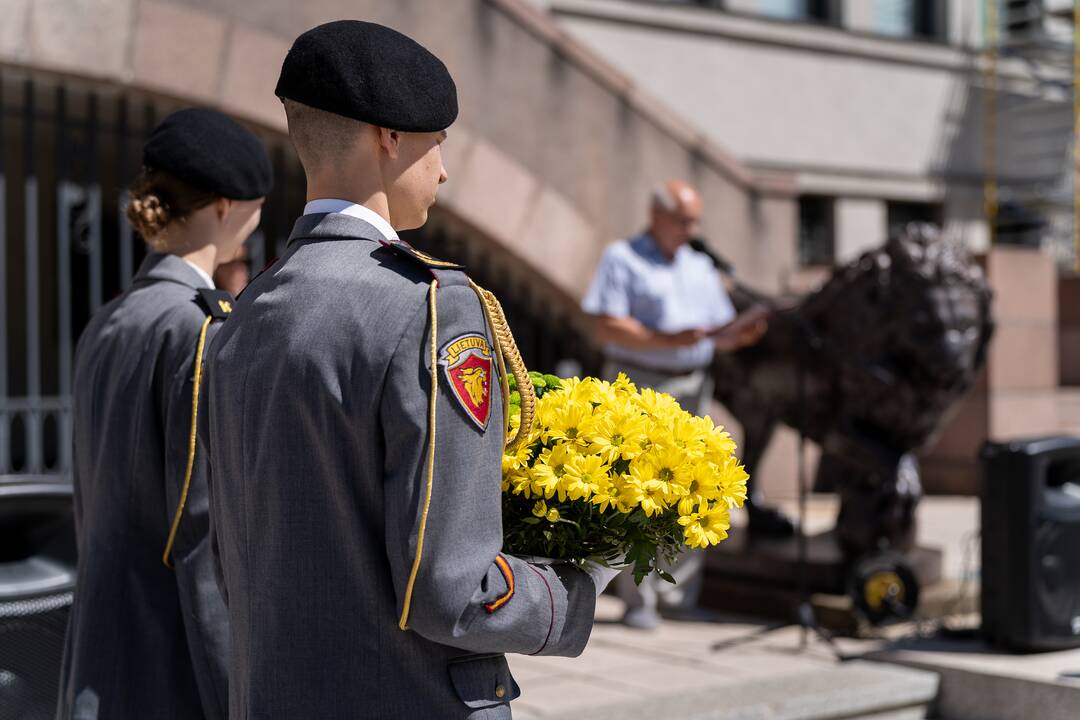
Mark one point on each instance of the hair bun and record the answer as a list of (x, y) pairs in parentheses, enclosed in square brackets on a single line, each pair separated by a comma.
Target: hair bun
[(148, 215)]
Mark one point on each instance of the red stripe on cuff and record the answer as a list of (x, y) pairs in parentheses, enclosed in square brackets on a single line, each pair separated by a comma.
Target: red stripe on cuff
[(508, 576)]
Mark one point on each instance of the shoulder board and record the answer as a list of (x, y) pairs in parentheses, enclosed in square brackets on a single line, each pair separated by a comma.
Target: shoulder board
[(422, 257), (217, 303)]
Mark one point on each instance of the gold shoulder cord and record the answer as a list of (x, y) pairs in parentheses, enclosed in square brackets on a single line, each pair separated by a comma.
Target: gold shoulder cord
[(506, 351), (191, 444), (504, 346)]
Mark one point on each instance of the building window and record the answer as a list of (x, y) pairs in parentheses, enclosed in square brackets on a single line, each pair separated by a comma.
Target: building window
[(899, 213), (1018, 224), (820, 11), (817, 230), (924, 19)]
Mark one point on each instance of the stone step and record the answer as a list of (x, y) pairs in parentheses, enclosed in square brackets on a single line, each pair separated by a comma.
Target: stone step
[(981, 683), (858, 689)]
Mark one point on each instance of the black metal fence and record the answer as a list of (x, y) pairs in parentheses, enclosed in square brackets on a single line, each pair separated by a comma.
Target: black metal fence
[(68, 150)]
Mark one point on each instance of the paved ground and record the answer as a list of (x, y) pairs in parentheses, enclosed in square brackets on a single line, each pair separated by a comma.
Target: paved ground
[(624, 666)]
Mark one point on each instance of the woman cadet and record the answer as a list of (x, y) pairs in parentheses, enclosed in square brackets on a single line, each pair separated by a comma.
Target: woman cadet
[(147, 636)]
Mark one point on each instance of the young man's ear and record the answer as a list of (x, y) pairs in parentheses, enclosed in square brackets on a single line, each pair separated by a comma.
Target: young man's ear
[(389, 140)]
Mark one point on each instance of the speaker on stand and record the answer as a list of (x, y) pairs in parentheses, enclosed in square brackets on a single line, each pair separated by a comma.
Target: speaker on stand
[(1030, 496)]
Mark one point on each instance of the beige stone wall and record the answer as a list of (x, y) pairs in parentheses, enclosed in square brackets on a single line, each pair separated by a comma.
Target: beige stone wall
[(552, 158), (1018, 395)]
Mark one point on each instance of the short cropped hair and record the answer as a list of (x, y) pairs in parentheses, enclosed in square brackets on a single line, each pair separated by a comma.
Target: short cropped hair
[(317, 135)]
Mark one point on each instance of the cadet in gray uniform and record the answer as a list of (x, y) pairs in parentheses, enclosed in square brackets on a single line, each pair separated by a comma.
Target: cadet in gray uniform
[(147, 636), (357, 429)]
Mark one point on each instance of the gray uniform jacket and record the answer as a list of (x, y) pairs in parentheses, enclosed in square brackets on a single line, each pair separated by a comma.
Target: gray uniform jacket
[(318, 399), (143, 641)]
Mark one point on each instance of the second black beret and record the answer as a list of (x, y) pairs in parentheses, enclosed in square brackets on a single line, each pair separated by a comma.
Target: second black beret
[(370, 73), (212, 152)]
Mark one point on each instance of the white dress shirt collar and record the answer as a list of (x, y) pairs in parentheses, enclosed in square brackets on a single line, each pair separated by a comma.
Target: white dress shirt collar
[(346, 207), (202, 273)]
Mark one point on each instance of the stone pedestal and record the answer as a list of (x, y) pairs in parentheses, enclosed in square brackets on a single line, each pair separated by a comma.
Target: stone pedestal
[(763, 578)]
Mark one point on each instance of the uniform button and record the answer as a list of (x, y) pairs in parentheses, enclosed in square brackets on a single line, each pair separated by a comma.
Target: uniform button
[(500, 691)]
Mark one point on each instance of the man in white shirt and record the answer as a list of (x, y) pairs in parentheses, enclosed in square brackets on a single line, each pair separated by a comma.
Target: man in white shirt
[(661, 311)]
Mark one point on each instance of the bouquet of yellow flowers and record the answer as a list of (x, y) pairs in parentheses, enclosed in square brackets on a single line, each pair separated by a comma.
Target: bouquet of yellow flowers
[(615, 475)]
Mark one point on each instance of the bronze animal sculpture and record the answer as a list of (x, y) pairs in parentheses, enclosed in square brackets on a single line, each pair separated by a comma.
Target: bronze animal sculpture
[(868, 366)]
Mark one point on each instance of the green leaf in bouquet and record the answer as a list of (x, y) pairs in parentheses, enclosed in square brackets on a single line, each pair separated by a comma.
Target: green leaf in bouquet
[(666, 576), (515, 398), (553, 382), (641, 571), (531, 520), (641, 554)]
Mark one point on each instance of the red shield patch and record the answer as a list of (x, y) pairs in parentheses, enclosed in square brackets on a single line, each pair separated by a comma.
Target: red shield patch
[(466, 360)]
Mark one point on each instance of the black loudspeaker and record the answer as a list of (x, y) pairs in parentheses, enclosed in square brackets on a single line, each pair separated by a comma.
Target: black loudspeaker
[(37, 581), (1031, 543)]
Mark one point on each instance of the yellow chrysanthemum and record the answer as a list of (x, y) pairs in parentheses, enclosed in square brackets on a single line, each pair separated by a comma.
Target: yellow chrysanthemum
[(623, 387), (547, 473), (603, 448), (704, 487), (606, 494), (518, 482), (582, 477), (685, 433), (517, 458), (707, 528), (572, 421), (664, 472), (659, 406), (618, 436), (732, 483)]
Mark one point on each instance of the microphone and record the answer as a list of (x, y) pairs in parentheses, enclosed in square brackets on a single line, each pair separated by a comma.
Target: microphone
[(721, 263), (724, 266)]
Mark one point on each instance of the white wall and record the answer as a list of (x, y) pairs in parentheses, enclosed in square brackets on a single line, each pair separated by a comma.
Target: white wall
[(861, 224), (790, 106)]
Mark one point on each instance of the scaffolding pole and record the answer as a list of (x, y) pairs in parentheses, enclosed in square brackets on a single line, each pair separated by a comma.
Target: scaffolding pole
[(1075, 136), (989, 159)]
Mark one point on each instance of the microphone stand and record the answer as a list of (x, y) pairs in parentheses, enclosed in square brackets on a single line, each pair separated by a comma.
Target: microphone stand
[(805, 617)]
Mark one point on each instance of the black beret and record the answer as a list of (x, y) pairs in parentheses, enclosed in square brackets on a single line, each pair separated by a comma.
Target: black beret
[(212, 152), (370, 73)]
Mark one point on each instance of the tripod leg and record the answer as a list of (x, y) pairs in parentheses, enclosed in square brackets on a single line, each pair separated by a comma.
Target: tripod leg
[(749, 637), (808, 621)]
